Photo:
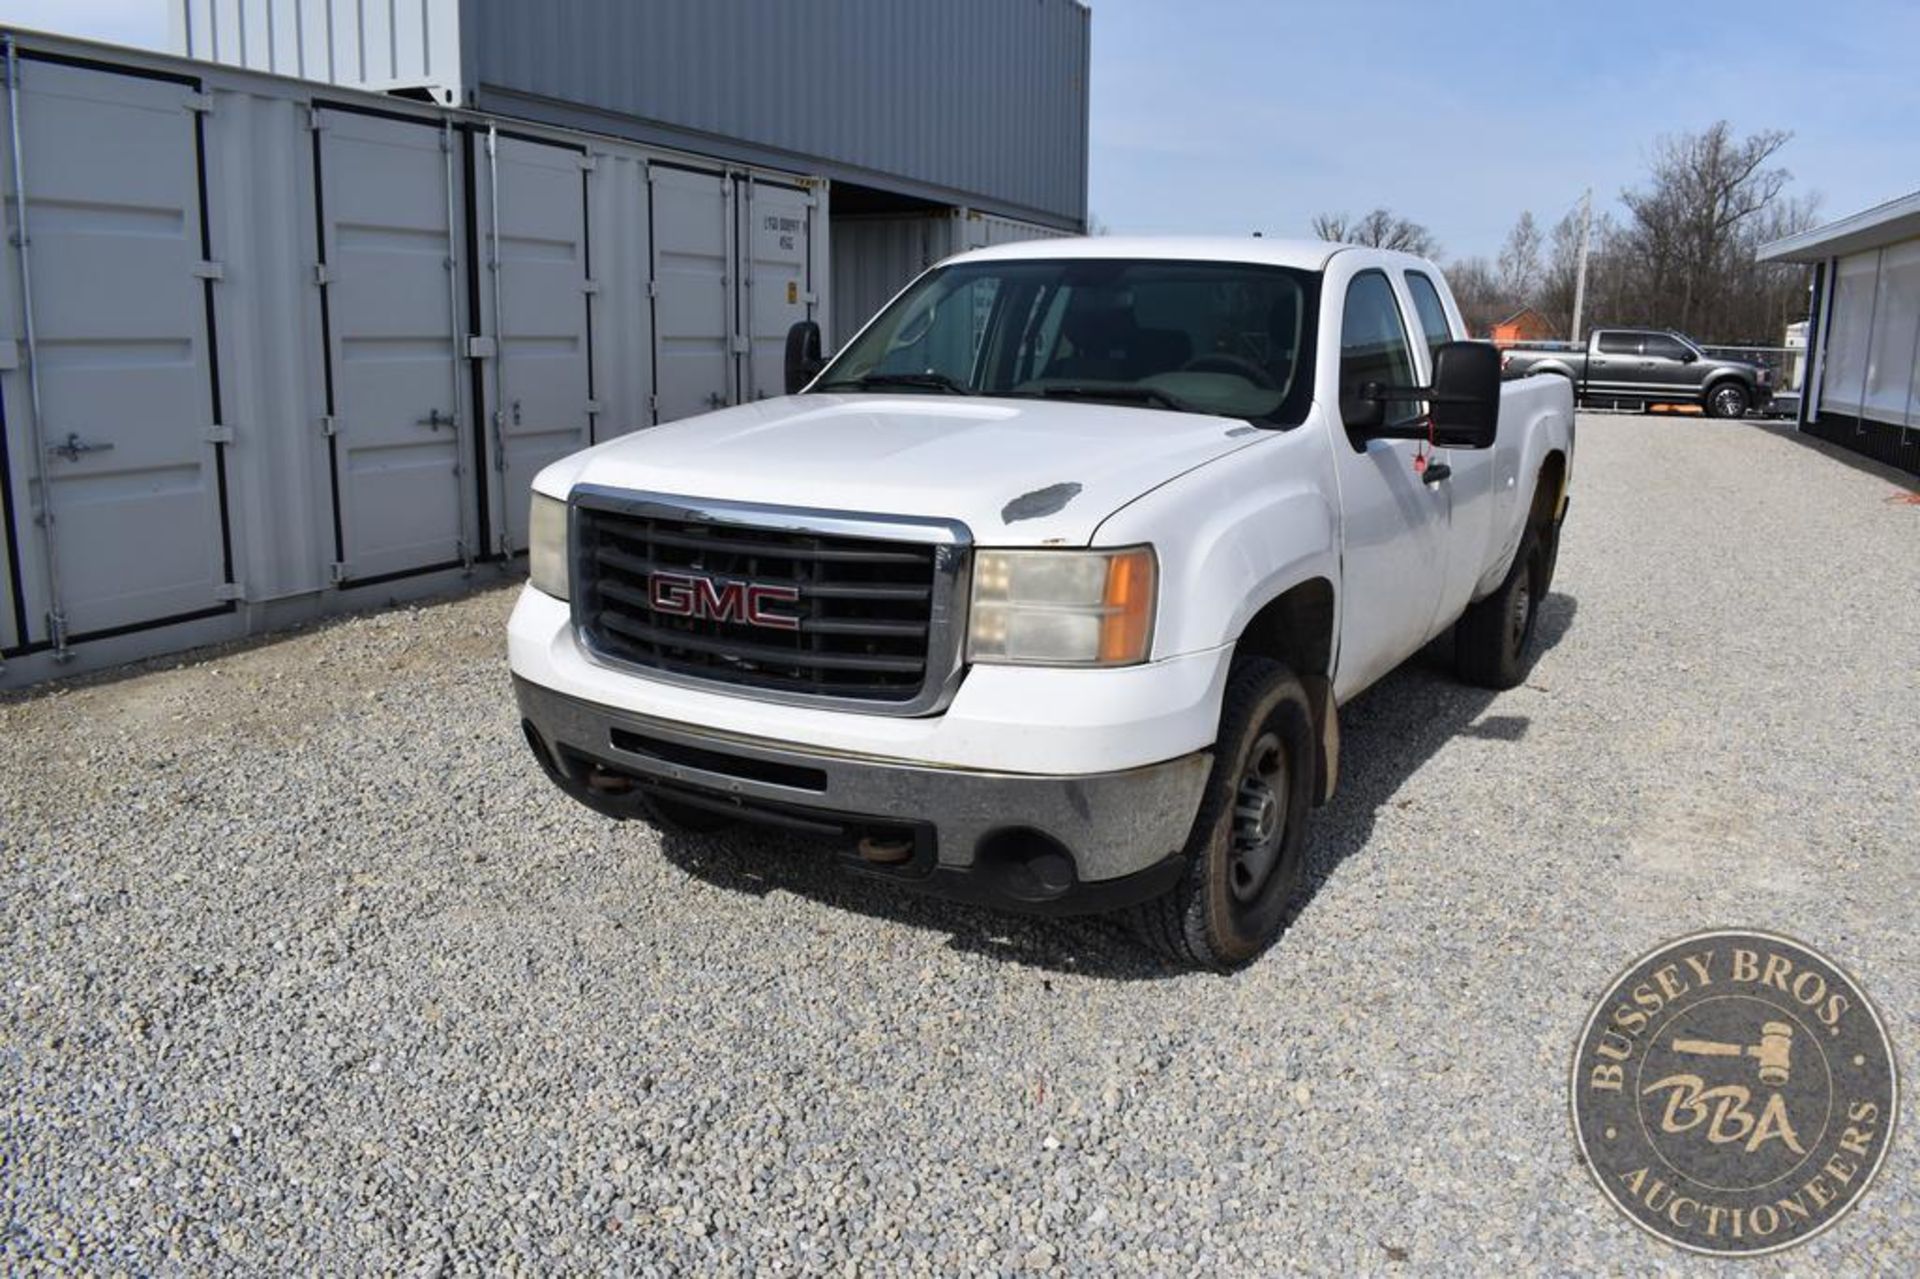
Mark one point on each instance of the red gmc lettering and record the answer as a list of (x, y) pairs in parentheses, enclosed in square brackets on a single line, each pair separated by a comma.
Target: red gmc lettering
[(688, 595)]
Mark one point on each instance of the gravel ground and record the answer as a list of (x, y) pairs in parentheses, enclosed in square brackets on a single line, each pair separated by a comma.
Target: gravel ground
[(307, 968)]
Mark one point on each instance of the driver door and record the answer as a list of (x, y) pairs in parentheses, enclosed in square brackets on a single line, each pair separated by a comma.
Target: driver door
[(1394, 562)]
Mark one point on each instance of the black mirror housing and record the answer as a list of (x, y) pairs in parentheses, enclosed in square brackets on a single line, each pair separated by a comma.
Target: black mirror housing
[(1361, 412), (1466, 394), (804, 360)]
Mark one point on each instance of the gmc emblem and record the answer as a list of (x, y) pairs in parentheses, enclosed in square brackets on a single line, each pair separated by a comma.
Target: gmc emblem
[(696, 595)]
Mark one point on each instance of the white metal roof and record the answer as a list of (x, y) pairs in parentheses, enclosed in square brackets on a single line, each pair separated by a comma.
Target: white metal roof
[(1306, 255), (1883, 224)]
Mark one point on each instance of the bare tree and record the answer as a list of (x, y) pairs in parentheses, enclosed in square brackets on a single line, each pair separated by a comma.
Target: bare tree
[(1476, 287), (1520, 262), (1688, 222), (1379, 229)]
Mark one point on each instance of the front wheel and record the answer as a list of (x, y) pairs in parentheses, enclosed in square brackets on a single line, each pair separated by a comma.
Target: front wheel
[(1729, 399), (1247, 851)]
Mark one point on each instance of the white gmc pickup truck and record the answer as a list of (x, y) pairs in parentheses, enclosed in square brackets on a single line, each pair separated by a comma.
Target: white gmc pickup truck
[(1046, 591)]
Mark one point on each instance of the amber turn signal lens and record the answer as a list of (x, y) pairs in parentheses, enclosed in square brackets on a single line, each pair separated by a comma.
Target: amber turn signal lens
[(1127, 629)]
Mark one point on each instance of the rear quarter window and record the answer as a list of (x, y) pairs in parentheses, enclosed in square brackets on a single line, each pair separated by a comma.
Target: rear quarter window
[(1431, 310)]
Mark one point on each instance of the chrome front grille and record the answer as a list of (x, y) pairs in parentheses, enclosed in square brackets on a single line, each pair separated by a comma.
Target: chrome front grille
[(782, 603)]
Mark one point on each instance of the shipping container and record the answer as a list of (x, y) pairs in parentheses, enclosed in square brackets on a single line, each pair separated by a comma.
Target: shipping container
[(271, 349), (875, 255), (980, 105)]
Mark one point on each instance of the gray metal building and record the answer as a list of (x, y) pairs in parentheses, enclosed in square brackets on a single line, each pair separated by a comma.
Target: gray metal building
[(272, 347), (967, 103)]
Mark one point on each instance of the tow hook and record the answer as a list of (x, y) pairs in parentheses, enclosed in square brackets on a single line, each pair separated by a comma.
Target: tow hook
[(885, 852), (602, 782)]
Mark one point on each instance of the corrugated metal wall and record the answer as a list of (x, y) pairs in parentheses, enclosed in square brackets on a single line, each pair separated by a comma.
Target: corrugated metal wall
[(984, 100), (377, 44), (877, 255), (980, 103)]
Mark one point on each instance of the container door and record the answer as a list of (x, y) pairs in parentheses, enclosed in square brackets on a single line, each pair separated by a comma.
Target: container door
[(121, 307), (391, 264), (776, 288), (693, 292), (542, 386)]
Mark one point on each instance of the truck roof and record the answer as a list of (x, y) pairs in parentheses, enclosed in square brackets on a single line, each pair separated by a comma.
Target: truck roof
[(1305, 255)]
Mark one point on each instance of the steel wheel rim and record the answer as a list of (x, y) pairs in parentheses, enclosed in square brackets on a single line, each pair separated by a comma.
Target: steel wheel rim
[(1520, 614), (1259, 818)]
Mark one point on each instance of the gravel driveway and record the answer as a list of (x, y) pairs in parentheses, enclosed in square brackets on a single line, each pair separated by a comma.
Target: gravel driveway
[(307, 968)]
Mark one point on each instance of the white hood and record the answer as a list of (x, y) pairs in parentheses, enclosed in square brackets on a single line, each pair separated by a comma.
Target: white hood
[(1016, 472)]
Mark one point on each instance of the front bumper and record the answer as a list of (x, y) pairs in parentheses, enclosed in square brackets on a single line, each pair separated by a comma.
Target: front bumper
[(1055, 844)]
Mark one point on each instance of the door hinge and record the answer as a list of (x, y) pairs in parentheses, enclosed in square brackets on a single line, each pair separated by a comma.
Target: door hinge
[(209, 271), (219, 433), (810, 298), (230, 591), (653, 288), (740, 345), (315, 122), (329, 426), (321, 276), (653, 404), (337, 573), (595, 406), (590, 287), (198, 102), (587, 162), (481, 347)]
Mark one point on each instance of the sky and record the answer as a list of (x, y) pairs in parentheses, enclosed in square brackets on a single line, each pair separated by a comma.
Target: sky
[(1240, 115)]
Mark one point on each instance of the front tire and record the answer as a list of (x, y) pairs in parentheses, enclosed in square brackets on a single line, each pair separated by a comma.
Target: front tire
[(1247, 850), (1728, 399)]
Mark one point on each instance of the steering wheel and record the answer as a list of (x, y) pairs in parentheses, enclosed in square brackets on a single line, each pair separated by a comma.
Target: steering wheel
[(1226, 362)]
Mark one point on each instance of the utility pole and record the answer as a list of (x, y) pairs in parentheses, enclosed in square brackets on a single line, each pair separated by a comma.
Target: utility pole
[(1580, 272)]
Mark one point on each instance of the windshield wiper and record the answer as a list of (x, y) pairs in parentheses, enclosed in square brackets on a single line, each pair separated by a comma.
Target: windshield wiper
[(1131, 394), (932, 381)]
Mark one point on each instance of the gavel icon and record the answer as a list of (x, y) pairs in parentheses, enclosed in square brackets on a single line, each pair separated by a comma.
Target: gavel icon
[(1774, 1052)]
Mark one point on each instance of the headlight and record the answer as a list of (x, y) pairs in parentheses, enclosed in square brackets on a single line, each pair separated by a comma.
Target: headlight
[(1062, 608), (547, 545)]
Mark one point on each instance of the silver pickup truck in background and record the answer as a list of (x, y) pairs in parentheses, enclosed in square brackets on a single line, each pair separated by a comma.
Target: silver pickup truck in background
[(1643, 367)]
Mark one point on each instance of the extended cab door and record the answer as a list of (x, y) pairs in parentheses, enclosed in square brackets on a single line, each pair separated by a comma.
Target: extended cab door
[(1613, 363), (1468, 487), (1393, 525)]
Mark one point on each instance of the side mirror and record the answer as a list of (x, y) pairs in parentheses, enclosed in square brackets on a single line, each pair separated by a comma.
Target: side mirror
[(1689, 356), (1463, 402), (804, 360), (1466, 394), (1360, 411)]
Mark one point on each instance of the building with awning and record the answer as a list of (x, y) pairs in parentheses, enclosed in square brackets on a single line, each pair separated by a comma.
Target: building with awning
[(1862, 387)]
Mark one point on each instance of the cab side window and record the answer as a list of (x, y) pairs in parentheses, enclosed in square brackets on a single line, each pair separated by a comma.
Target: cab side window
[(1431, 310), (1373, 344), (1619, 344), (1661, 347)]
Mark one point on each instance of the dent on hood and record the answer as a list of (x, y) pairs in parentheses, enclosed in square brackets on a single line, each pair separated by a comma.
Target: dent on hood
[(1046, 501)]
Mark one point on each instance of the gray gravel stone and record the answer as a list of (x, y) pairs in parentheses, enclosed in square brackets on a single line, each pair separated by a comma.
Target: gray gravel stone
[(307, 968)]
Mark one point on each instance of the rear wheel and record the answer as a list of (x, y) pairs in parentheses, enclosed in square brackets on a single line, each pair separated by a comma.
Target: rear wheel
[(1728, 399), (1247, 850), (1492, 638)]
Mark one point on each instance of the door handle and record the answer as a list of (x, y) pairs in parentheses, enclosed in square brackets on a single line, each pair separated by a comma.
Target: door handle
[(1435, 472), (74, 446)]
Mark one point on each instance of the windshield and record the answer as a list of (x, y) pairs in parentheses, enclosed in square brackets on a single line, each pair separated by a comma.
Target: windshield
[(1227, 339)]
